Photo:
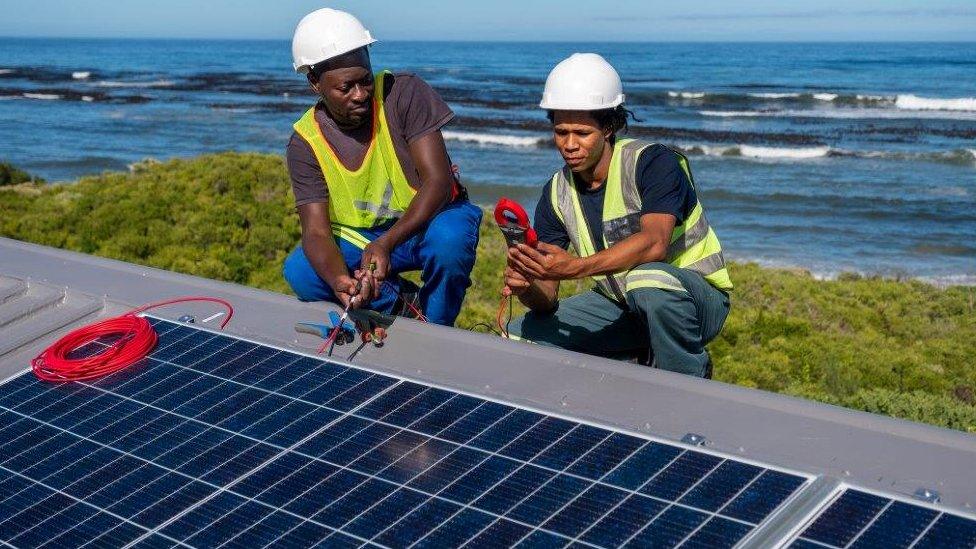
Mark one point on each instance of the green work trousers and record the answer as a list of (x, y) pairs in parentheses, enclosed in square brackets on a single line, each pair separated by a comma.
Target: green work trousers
[(674, 323)]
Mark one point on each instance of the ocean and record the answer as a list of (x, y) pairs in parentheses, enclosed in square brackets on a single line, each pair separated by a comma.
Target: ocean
[(839, 157)]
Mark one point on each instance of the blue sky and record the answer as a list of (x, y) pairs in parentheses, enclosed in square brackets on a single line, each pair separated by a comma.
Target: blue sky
[(565, 20)]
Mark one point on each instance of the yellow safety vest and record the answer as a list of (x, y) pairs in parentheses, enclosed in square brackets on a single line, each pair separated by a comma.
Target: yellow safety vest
[(693, 244), (374, 193)]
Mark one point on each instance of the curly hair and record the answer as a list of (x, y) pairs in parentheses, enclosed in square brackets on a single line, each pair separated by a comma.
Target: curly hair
[(615, 119)]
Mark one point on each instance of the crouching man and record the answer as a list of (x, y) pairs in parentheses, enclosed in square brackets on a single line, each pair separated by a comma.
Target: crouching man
[(373, 182), (631, 212)]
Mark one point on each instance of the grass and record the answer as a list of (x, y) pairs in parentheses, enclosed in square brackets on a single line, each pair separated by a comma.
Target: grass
[(900, 348)]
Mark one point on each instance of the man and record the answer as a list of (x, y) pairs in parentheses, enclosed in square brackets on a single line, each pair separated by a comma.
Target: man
[(632, 214), (373, 183)]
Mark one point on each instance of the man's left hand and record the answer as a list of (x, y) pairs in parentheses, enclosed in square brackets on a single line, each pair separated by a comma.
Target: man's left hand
[(544, 262), (377, 253)]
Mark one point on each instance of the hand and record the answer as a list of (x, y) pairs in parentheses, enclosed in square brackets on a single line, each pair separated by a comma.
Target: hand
[(345, 290), (515, 283), (377, 253), (544, 262)]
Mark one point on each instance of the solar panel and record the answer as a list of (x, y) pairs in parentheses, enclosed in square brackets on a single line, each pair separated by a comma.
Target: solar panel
[(217, 441), (861, 519)]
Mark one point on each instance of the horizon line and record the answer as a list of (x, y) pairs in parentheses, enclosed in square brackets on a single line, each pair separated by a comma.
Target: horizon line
[(501, 41)]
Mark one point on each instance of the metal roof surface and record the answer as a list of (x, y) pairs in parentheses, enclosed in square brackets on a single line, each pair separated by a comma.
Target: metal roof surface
[(44, 292)]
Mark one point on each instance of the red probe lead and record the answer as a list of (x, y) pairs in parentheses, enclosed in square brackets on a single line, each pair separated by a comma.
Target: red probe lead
[(135, 339)]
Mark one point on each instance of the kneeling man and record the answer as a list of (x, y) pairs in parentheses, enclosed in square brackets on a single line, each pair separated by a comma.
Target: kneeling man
[(373, 182), (632, 214)]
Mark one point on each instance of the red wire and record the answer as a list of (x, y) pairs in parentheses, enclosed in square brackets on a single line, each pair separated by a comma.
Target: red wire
[(135, 338), (501, 313)]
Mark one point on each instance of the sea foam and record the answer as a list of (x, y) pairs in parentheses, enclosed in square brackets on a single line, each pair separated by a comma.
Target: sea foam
[(139, 84), (495, 139), (44, 96), (686, 95), (916, 103), (80, 75)]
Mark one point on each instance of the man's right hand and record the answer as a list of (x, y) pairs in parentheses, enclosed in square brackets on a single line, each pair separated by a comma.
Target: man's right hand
[(515, 283), (344, 287)]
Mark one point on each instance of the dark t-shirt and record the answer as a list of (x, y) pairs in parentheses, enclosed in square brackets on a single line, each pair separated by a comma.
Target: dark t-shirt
[(413, 110), (663, 186)]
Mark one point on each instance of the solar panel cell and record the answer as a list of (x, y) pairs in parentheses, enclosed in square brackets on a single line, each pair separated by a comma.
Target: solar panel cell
[(578, 515), (949, 531), (423, 457), (762, 496), (510, 491), (606, 456), (506, 430), (727, 480), (501, 533), (669, 528), (717, 533), (643, 464), (897, 526), (548, 499), (624, 521), (570, 447), (458, 529), (845, 518), (418, 523), (680, 475)]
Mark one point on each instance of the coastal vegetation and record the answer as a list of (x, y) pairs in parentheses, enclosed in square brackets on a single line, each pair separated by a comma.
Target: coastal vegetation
[(901, 348)]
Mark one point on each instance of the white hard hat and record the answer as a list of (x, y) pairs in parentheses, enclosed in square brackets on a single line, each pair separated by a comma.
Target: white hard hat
[(324, 34), (582, 82)]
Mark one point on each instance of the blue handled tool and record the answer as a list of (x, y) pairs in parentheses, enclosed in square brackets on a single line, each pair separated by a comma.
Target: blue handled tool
[(346, 335)]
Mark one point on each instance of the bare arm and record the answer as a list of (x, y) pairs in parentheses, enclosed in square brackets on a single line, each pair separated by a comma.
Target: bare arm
[(429, 155), (647, 245), (323, 253)]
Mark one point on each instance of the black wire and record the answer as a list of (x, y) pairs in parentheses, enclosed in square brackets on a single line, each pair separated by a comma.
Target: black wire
[(353, 354), (486, 326)]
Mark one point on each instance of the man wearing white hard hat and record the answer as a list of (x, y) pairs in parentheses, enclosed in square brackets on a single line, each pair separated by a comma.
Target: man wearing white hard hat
[(632, 214), (374, 187)]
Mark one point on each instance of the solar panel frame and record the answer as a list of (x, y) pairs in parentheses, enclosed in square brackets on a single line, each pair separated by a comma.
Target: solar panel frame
[(805, 536), (543, 443)]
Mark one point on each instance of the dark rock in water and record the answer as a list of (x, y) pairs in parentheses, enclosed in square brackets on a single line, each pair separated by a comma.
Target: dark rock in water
[(10, 175), (67, 94)]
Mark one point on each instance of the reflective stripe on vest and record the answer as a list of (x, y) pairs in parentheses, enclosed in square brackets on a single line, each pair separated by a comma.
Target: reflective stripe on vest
[(374, 193), (693, 244)]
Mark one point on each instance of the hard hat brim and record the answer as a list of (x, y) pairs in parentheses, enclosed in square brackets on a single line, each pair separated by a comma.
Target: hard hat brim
[(307, 64)]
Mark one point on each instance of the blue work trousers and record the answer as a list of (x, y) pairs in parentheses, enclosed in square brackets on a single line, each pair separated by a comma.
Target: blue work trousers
[(443, 252)]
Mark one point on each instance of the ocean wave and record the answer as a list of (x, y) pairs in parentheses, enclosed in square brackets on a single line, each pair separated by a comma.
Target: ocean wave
[(6, 71), (752, 151), (135, 84), (80, 75), (916, 103), (518, 141), (959, 157), (825, 96), (845, 113), (42, 96), (771, 95), (687, 95)]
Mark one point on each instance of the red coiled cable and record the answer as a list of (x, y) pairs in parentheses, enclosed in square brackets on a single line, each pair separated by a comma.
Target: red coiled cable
[(134, 339)]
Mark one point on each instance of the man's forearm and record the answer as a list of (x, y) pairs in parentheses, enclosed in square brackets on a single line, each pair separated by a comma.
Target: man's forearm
[(624, 255), (325, 257)]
